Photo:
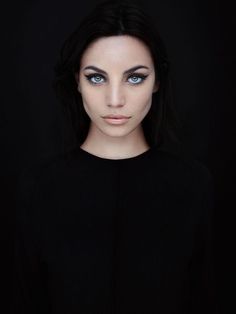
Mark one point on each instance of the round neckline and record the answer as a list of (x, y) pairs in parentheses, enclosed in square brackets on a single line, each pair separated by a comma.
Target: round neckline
[(119, 160)]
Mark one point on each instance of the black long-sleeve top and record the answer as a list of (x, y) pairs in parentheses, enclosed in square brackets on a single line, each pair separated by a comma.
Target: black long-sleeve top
[(115, 236)]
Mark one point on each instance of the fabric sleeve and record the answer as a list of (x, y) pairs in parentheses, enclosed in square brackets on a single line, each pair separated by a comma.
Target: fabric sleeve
[(31, 296), (203, 298)]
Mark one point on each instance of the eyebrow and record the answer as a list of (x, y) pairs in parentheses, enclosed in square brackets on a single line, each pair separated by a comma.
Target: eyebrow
[(91, 67)]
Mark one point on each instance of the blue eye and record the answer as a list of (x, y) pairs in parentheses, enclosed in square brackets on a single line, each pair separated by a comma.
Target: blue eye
[(134, 79), (94, 78), (137, 79)]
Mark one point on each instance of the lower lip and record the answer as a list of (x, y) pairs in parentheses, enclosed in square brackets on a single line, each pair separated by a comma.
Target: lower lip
[(116, 121)]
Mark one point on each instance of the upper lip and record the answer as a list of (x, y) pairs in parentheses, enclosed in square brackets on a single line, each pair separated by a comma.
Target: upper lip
[(116, 116)]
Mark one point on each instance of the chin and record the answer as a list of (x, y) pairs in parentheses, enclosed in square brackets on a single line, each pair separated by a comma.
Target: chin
[(117, 131)]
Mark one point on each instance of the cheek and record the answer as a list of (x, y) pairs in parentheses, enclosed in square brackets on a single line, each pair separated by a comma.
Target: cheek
[(142, 100), (91, 99)]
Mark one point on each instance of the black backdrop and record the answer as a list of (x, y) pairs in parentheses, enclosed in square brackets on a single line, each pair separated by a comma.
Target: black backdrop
[(199, 36)]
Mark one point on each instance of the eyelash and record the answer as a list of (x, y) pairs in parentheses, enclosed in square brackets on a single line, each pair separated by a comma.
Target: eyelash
[(142, 76)]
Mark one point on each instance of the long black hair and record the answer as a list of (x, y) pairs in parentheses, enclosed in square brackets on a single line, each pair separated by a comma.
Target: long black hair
[(111, 18)]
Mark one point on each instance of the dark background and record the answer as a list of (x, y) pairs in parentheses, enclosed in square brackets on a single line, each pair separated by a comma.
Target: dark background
[(199, 36)]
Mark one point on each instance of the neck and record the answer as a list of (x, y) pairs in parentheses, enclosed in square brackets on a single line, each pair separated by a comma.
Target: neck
[(115, 147)]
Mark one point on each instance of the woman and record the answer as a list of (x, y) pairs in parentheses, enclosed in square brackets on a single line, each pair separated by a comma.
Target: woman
[(117, 224)]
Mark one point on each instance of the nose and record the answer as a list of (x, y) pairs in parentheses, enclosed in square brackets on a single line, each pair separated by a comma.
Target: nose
[(115, 95)]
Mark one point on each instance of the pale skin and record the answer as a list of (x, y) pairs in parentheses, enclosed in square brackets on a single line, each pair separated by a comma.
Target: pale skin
[(109, 90)]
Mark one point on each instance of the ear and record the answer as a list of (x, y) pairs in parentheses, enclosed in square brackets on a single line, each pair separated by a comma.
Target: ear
[(156, 86), (77, 81)]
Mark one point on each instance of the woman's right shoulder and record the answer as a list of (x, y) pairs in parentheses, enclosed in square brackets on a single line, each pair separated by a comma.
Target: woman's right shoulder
[(40, 183), (34, 171), (47, 168)]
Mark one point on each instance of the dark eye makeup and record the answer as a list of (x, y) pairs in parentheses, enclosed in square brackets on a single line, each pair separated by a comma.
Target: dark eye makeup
[(98, 76)]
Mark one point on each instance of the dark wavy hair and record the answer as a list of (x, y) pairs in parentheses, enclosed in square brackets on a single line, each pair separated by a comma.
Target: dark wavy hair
[(111, 18)]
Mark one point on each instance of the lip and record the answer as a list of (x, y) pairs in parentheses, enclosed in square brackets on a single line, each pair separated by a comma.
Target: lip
[(115, 116), (116, 119)]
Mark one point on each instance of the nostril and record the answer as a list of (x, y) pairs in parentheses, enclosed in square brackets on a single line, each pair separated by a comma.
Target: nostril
[(113, 105)]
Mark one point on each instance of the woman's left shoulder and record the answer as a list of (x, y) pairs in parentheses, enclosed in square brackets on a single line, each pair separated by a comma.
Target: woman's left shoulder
[(181, 166)]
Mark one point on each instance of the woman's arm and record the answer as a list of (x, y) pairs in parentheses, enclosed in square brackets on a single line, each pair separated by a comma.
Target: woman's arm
[(31, 285), (203, 298)]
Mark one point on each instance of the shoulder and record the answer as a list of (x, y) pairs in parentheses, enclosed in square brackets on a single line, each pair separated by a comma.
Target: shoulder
[(46, 169), (46, 188), (31, 174), (188, 184), (181, 163), (184, 175), (45, 174)]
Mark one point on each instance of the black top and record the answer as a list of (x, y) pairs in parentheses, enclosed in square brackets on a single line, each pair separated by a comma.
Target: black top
[(115, 236)]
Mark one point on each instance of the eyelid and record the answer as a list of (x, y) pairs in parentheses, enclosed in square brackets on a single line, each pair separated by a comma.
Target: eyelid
[(103, 75), (141, 75), (134, 74)]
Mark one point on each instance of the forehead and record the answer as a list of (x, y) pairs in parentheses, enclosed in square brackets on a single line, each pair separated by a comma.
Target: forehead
[(117, 50)]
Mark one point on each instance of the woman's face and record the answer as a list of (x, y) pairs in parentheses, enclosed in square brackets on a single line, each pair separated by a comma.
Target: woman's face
[(116, 77)]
